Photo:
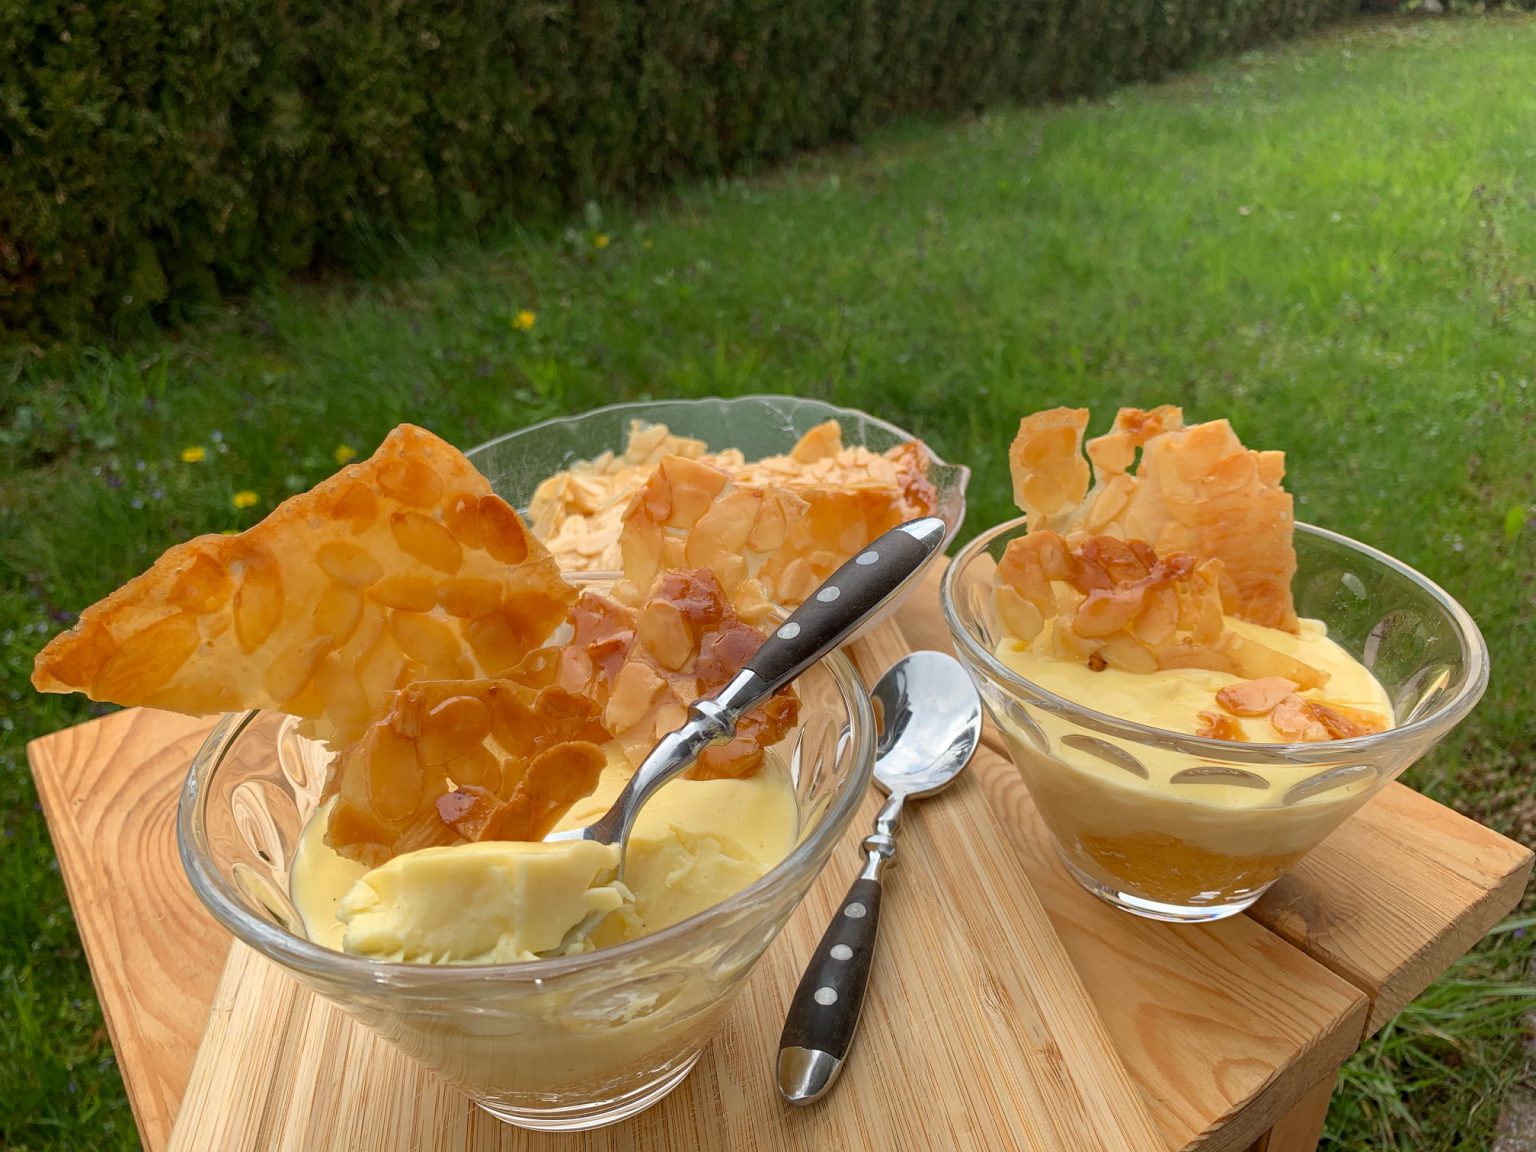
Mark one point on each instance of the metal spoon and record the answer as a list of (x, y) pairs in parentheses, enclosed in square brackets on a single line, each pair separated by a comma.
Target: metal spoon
[(930, 726), (847, 598), (843, 602)]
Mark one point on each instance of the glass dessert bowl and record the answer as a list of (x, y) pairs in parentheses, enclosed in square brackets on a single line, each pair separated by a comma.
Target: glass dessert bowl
[(1187, 828), (475, 693), (561, 1044)]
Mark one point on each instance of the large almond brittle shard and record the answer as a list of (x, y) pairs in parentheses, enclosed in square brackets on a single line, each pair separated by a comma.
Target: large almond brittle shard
[(402, 567), (1200, 491), (1196, 490), (645, 665), (463, 759)]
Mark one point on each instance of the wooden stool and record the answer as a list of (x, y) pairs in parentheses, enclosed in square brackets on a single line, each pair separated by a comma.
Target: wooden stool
[(1233, 1032)]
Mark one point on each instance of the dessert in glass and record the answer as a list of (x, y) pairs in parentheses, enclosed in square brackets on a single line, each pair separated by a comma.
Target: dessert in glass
[(1195, 689), (417, 694), (566, 1043), (574, 478)]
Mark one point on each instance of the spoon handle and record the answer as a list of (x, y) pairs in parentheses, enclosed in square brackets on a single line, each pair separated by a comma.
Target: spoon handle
[(843, 602), (824, 1012)]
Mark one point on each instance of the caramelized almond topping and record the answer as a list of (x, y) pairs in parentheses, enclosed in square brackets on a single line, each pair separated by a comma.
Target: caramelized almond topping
[(1197, 490), (1119, 602), (1255, 697), (350, 568), (531, 751), (1300, 719), (642, 694), (1294, 719), (1215, 726), (772, 529), (554, 780)]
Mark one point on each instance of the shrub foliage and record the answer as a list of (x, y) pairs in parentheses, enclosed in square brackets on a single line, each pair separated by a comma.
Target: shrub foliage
[(156, 153)]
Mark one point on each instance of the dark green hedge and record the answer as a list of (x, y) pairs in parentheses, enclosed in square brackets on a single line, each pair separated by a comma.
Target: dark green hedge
[(156, 153)]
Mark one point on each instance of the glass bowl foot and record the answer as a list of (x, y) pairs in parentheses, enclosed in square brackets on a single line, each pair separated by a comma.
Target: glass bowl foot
[(581, 1117), (1156, 909)]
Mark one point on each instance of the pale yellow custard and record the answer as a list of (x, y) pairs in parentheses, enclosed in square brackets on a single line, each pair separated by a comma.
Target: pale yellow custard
[(1160, 823), (695, 844), (1172, 699), (492, 902)]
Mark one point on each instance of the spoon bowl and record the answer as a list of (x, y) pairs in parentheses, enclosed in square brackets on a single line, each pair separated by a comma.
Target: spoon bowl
[(929, 717)]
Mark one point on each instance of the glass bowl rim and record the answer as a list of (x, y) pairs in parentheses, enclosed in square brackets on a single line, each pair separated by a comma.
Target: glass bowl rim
[(640, 407), (1473, 682), (306, 956)]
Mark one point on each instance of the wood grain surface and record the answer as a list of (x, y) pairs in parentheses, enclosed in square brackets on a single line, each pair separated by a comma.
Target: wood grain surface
[(1206, 1018), (1456, 880), (1301, 1128), (108, 790)]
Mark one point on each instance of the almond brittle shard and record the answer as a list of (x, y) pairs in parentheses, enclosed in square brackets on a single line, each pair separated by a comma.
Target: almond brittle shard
[(851, 496), (645, 665), (467, 759), (1050, 476), (1200, 491), (1196, 490), (399, 568)]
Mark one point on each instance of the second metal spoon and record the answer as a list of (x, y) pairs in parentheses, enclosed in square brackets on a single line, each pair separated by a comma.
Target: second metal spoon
[(837, 609), (930, 719)]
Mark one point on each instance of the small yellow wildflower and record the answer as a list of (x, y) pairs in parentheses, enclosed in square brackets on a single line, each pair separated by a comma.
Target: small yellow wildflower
[(524, 320), (245, 498), (231, 532), (647, 244), (600, 241), (344, 452), (194, 455)]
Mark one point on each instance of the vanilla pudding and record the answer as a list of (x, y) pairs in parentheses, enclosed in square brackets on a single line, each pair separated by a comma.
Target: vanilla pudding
[(1156, 822), (696, 843)]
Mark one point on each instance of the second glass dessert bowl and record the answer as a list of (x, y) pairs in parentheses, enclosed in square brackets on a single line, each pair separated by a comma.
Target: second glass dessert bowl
[(1184, 828), (560, 1045)]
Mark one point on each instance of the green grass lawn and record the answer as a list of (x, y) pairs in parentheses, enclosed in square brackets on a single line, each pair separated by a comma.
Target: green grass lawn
[(1332, 243)]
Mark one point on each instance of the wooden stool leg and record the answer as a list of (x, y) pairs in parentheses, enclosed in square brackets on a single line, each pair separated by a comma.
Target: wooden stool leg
[(1300, 1129)]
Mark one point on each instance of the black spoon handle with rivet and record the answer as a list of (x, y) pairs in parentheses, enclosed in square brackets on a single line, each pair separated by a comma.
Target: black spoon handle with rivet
[(848, 598), (824, 1011), (843, 602)]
